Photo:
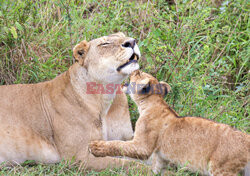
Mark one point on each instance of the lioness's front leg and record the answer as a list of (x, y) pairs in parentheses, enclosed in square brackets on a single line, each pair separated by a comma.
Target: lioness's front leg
[(118, 124), (91, 162), (131, 149)]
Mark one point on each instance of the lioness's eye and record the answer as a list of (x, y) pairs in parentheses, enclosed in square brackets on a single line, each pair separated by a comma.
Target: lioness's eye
[(104, 44)]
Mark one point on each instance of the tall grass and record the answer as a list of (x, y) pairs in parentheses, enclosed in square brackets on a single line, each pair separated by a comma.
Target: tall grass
[(200, 49)]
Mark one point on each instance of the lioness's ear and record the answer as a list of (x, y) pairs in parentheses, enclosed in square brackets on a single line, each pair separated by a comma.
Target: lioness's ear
[(165, 87), (80, 51)]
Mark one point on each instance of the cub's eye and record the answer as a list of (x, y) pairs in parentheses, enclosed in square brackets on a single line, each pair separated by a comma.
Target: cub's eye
[(146, 90), (104, 44)]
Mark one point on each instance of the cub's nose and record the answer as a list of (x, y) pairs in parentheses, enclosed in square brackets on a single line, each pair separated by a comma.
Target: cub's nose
[(129, 43)]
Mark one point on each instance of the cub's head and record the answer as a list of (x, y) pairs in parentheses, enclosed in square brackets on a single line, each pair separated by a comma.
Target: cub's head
[(143, 85), (109, 59)]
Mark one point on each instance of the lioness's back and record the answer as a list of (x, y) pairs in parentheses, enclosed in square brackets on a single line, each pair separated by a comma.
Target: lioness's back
[(19, 101), (9, 93)]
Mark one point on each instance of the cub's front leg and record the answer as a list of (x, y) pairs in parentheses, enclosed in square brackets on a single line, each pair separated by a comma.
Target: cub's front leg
[(130, 149)]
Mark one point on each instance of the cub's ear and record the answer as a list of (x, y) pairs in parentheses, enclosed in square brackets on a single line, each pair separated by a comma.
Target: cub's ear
[(119, 34), (80, 51), (165, 87)]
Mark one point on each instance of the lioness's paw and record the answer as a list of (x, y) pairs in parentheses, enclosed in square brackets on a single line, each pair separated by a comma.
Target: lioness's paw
[(97, 148)]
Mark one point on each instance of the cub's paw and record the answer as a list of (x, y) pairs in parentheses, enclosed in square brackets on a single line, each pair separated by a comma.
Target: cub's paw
[(97, 148)]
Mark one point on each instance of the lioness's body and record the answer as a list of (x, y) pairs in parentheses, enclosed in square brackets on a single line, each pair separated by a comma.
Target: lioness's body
[(202, 145), (55, 120)]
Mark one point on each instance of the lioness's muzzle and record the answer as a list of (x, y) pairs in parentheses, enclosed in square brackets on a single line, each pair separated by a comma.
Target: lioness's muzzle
[(133, 59)]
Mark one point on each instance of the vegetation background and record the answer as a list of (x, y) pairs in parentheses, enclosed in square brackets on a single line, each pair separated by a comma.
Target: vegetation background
[(200, 47)]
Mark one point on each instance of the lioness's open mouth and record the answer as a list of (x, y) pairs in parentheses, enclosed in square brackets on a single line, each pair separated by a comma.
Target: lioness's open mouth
[(132, 59)]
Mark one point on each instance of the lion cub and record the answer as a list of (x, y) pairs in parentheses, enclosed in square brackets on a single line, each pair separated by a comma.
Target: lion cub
[(200, 144)]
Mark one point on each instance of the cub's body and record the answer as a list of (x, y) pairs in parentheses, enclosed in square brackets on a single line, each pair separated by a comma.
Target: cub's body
[(200, 144)]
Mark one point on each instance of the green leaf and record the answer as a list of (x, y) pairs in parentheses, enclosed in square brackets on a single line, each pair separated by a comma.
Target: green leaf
[(13, 32), (19, 26), (6, 30)]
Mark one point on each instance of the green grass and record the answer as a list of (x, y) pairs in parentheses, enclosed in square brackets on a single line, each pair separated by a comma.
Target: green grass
[(202, 51)]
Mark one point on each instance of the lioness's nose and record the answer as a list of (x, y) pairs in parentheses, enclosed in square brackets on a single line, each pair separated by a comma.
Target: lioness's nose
[(129, 44)]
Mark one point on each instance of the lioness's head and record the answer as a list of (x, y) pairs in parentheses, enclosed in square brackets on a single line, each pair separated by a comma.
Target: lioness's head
[(143, 85), (109, 59)]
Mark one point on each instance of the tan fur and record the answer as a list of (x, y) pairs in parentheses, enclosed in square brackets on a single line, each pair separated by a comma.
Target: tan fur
[(55, 120), (202, 145)]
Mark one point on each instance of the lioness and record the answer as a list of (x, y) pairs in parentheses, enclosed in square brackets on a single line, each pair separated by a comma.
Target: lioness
[(55, 120), (209, 147)]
